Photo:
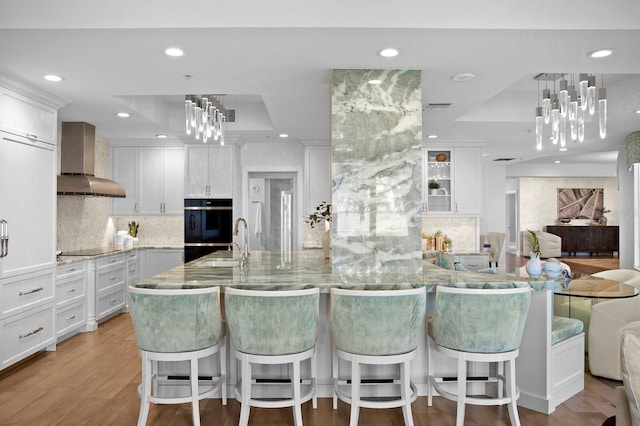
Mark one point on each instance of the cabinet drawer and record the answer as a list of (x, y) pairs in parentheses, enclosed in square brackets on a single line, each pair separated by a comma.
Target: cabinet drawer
[(70, 318), (132, 256), (71, 269), (109, 261), (70, 289), (110, 302), (27, 291), (24, 334), (26, 117), (109, 278)]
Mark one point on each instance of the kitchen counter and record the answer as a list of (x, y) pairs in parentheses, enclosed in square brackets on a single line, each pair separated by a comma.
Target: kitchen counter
[(308, 268), (110, 251)]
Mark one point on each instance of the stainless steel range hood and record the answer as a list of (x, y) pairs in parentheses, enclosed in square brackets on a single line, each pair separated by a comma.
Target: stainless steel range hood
[(78, 164)]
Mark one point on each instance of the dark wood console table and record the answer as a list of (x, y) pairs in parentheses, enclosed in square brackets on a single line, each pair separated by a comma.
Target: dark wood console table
[(590, 239)]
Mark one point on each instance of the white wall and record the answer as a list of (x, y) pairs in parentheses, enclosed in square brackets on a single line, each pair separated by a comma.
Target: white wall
[(494, 218)]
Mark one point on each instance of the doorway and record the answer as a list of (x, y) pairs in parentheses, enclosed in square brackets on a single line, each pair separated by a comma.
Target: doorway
[(512, 222), (271, 203)]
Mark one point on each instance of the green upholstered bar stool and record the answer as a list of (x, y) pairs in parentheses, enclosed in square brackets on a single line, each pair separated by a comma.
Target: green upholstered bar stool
[(481, 325), (178, 325), (273, 327), (379, 327)]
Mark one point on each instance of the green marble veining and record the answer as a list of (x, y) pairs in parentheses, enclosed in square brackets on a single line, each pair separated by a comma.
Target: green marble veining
[(308, 268)]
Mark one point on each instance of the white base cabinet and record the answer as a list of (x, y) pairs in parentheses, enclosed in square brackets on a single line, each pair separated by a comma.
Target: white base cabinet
[(71, 299), (110, 285)]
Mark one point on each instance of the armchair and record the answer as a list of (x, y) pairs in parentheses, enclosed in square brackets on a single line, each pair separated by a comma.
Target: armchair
[(627, 404), (550, 244)]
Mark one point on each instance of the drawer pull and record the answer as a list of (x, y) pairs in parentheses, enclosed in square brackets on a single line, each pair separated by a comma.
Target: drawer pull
[(31, 137), (113, 302), (33, 290), (71, 291), (113, 260), (71, 270), (113, 278), (37, 330), (71, 318)]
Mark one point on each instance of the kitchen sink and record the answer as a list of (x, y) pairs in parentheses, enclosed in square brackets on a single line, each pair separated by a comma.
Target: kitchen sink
[(220, 263)]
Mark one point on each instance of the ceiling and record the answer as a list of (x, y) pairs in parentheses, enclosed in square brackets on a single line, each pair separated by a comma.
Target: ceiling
[(273, 61)]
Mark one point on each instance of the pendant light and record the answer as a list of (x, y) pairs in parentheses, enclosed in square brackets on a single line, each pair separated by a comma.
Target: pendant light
[(591, 94), (563, 97), (573, 111), (602, 110)]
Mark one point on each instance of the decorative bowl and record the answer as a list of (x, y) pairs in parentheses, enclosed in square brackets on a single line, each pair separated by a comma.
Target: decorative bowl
[(565, 220), (441, 157)]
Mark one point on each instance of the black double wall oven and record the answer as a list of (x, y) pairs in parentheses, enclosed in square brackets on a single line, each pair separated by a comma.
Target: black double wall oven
[(207, 226)]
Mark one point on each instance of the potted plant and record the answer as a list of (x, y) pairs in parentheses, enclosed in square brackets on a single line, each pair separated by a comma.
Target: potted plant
[(433, 187), (447, 243), (323, 214), (533, 266)]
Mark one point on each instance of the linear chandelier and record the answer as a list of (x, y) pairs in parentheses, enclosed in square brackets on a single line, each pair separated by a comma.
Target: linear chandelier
[(569, 107), (205, 117)]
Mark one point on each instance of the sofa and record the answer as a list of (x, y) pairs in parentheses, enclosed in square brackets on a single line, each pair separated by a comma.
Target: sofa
[(550, 244)]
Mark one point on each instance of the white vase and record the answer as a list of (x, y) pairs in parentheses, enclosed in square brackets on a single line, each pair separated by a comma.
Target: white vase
[(326, 244), (533, 266)]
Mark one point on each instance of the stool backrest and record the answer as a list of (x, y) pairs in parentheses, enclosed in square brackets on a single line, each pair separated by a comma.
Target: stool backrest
[(377, 322), (179, 320), (480, 320), (277, 322)]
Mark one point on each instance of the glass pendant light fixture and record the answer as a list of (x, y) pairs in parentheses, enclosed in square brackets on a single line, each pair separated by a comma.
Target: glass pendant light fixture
[(602, 112), (563, 97), (546, 105), (555, 119), (204, 117), (581, 113), (584, 82), (573, 112), (591, 94), (539, 125)]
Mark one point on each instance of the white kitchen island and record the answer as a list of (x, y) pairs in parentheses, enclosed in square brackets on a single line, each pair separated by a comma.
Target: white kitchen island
[(546, 377)]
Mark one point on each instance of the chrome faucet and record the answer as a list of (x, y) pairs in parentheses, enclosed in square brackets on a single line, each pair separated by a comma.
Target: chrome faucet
[(244, 262)]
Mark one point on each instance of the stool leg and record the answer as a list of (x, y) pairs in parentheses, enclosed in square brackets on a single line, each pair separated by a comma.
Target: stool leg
[(355, 391), (195, 398), (430, 345), (334, 371), (314, 376), (245, 391), (462, 389), (223, 370), (405, 392), (297, 409), (511, 392), (145, 389)]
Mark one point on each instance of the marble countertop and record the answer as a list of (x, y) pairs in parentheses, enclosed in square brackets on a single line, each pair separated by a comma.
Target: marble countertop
[(64, 259), (308, 268)]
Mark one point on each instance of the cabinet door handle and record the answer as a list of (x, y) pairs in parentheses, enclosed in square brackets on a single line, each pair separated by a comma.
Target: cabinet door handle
[(31, 137), (71, 318), (192, 222), (135, 207), (33, 290), (113, 302), (71, 270), (32, 332), (4, 238), (73, 290), (113, 278)]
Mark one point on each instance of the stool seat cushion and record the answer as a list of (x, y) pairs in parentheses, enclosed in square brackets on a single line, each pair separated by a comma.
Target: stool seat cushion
[(563, 328)]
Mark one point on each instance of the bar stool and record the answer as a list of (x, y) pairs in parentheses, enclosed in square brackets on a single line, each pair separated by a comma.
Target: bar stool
[(177, 325), (380, 327), (273, 327), (481, 325)]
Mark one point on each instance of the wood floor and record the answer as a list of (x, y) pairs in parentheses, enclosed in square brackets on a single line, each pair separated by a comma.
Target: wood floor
[(92, 379)]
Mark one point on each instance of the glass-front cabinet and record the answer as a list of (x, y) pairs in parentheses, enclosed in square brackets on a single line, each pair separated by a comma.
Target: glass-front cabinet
[(452, 181), (438, 184)]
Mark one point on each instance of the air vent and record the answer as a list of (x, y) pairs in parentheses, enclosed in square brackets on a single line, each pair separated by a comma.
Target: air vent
[(504, 159), (545, 76), (230, 115), (436, 106)]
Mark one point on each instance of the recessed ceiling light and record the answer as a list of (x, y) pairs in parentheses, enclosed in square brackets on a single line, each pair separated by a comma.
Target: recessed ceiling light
[(374, 81), (123, 114), (432, 136), (465, 76), (161, 136), (601, 53), (557, 161), (174, 51), (389, 52), (53, 77), (562, 149), (637, 111), (283, 135)]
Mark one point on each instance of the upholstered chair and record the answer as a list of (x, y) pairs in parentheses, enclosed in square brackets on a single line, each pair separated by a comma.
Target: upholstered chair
[(550, 244), (273, 327), (178, 325), (627, 276), (481, 325), (626, 396), (379, 327), (496, 240)]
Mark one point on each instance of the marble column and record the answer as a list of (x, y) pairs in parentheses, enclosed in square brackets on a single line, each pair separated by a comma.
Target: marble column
[(376, 132)]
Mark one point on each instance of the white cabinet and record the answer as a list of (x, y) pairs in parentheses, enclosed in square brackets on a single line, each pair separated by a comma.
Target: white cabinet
[(133, 267), (110, 285), (473, 262), (23, 116), (452, 181), (160, 260), (71, 299), (153, 178), (208, 171)]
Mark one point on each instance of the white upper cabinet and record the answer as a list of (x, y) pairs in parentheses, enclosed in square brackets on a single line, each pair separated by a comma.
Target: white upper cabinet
[(452, 182), (23, 116), (152, 178), (209, 171)]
